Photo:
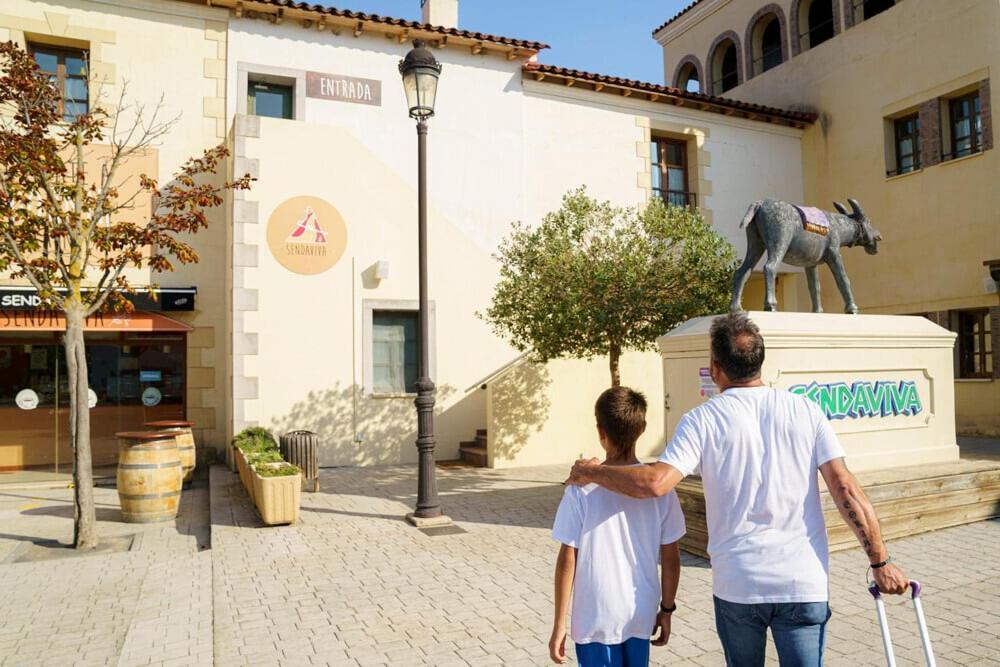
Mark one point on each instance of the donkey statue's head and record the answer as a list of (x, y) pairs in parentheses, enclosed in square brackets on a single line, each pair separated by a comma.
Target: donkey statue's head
[(867, 235)]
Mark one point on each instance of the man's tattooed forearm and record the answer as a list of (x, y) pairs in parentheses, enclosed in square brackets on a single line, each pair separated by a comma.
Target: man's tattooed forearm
[(859, 529)]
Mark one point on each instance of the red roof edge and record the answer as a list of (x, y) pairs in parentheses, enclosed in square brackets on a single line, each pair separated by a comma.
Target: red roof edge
[(676, 16), (720, 103)]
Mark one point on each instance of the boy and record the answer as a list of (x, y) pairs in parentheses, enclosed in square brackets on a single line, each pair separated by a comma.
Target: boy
[(610, 548)]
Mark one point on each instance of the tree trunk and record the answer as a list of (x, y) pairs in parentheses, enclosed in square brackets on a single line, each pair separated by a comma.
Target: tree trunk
[(84, 516), (614, 355)]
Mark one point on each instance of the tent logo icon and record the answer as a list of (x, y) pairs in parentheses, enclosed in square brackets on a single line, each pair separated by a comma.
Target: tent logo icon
[(308, 223)]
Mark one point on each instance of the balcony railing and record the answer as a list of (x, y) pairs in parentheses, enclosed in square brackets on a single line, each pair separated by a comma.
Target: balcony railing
[(677, 197)]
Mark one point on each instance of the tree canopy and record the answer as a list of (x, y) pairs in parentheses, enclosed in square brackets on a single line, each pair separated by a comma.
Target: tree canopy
[(595, 279)]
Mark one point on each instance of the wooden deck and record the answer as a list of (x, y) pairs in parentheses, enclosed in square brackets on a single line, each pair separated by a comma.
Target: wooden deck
[(908, 500)]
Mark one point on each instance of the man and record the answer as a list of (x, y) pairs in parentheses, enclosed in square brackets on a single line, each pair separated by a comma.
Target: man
[(757, 450)]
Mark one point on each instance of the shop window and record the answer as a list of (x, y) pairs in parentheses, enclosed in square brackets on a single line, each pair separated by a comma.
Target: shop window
[(965, 127), (865, 9), (906, 145), (975, 345), (67, 69), (273, 100), (816, 18), (668, 158)]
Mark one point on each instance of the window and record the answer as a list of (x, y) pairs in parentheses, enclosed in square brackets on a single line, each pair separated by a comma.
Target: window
[(670, 174), (766, 44), (819, 19), (907, 140), (269, 99), (67, 69), (725, 68), (975, 354), (966, 125), (394, 351), (687, 78), (865, 9)]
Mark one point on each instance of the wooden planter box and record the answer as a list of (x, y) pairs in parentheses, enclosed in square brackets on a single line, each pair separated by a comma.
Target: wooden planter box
[(277, 498)]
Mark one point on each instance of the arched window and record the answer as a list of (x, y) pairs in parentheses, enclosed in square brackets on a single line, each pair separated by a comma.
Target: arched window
[(725, 67), (688, 78), (865, 9), (816, 18), (766, 39)]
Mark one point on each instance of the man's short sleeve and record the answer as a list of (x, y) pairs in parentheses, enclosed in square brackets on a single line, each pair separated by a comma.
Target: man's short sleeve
[(684, 449), (569, 518), (827, 445), (672, 527)]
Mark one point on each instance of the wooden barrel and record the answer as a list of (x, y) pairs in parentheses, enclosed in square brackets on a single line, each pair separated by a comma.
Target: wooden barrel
[(149, 476), (185, 442)]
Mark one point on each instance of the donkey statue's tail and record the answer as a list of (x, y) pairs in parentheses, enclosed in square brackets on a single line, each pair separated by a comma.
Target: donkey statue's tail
[(751, 212)]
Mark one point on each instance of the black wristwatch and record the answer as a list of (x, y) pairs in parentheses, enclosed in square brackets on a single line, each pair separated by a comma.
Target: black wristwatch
[(668, 610)]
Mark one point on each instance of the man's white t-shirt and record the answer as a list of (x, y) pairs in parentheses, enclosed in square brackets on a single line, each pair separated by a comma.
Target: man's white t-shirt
[(757, 450), (616, 591)]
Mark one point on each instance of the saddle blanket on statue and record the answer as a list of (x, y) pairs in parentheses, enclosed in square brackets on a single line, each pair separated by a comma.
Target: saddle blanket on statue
[(814, 220)]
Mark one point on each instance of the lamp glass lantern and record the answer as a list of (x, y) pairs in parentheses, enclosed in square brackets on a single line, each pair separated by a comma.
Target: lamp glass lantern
[(420, 71)]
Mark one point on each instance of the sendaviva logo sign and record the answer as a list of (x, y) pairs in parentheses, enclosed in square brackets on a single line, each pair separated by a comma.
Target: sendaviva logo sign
[(882, 398), (306, 235)]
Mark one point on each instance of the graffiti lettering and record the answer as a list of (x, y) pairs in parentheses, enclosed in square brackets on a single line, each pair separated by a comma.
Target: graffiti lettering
[(883, 398)]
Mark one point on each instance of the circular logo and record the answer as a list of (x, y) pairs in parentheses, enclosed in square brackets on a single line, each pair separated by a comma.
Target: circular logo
[(91, 398), (306, 235), (151, 396), (26, 399)]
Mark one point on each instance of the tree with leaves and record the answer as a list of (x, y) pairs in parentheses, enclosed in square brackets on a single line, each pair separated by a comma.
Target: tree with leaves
[(594, 279), (68, 229)]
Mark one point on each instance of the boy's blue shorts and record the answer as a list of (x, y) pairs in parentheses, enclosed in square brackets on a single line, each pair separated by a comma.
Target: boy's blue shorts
[(632, 652)]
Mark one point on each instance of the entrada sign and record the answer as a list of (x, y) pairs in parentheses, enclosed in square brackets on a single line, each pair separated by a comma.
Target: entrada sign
[(344, 88), (883, 398)]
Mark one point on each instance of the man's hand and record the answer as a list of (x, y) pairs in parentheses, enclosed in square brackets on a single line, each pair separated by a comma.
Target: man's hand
[(580, 474), (891, 579), (557, 645), (663, 625)]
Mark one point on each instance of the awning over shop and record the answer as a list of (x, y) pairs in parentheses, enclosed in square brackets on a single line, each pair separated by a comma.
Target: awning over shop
[(15, 321)]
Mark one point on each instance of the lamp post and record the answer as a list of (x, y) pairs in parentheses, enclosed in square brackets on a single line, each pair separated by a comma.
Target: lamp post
[(420, 71)]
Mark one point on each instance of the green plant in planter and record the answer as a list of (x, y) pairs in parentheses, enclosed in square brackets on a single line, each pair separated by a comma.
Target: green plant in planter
[(255, 439), (281, 469), (268, 456)]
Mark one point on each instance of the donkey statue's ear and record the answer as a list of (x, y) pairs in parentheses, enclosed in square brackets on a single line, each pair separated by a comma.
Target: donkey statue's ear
[(840, 207), (856, 207)]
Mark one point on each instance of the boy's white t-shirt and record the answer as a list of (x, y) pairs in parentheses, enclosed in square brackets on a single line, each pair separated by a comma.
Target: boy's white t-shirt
[(616, 591), (757, 450)]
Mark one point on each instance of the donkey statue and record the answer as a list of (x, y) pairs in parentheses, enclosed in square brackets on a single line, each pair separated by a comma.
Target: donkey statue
[(802, 237)]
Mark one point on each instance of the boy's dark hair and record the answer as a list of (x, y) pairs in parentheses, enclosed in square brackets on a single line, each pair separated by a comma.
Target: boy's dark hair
[(621, 414), (737, 346)]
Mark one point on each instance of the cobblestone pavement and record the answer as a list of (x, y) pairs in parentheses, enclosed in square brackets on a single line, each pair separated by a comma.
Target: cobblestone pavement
[(353, 584)]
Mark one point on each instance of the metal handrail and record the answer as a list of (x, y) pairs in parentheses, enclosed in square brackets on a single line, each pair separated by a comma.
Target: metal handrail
[(481, 384), (811, 30)]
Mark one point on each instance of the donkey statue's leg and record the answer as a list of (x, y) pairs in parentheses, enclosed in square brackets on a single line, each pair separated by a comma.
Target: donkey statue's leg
[(812, 279), (755, 250), (836, 264)]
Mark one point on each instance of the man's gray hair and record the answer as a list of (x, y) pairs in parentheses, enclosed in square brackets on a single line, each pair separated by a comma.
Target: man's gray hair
[(737, 346)]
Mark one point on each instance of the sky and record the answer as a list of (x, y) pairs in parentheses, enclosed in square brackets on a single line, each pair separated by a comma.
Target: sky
[(611, 37)]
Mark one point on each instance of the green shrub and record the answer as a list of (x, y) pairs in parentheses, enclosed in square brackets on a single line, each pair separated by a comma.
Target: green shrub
[(267, 456), (281, 469), (255, 439)]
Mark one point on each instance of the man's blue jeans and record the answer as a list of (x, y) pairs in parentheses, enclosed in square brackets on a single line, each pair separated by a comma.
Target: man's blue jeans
[(798, 628)]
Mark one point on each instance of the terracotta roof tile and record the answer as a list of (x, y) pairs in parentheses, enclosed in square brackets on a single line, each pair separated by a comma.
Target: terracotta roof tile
[(677, 16), (415, 25), (717, 104)]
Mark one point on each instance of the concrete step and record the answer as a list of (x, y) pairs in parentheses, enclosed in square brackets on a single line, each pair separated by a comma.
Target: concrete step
[(473, 453)]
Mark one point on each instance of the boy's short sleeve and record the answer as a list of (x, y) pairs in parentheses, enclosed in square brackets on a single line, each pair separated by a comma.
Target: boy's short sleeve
[(672, 526), (684, 449), (827, 445), (569, 518)]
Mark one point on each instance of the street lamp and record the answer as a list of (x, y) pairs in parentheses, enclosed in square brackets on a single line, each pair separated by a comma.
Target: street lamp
[(420, 71)]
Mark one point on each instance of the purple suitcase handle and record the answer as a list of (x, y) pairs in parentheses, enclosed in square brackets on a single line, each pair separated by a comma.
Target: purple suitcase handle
[(915, 589)]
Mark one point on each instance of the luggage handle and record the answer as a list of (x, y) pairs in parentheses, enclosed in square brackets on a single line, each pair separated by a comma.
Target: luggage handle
[(918, 610)]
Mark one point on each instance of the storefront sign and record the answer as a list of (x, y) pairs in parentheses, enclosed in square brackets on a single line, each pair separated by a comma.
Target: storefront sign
[(306, 235), (151, 397), (882, 398), (164, 298), (26, 399), (48, 320), (344, 88)]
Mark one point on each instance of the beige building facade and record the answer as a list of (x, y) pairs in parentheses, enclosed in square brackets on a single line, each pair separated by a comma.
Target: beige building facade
[(903, 94)]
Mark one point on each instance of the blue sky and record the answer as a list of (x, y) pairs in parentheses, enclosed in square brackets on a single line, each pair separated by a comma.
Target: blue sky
[(604, 36)]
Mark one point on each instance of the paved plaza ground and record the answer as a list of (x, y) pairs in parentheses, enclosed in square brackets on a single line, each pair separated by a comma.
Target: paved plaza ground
[(353, 584)]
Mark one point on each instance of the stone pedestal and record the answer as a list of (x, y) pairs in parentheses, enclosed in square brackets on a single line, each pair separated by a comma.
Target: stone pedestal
[(886, 382)]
